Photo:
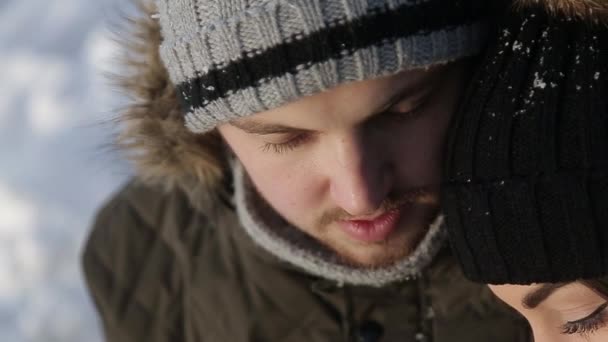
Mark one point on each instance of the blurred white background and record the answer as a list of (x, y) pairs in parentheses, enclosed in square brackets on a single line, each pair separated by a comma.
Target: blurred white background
[(55, 167)]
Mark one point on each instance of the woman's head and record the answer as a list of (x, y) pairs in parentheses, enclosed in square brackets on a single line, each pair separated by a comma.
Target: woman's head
[(526, 173), (526, 198), (571, 311)]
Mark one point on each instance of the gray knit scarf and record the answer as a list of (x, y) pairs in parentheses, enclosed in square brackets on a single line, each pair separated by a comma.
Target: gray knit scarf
[(295, 247)]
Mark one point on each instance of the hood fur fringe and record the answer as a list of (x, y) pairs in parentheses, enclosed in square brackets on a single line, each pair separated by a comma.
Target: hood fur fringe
[(586, 10), (153, 135)]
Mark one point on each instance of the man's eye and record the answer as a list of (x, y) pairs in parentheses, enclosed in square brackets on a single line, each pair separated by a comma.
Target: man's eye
[(597, 320), (395, 115), (286, 146), (404, 116)]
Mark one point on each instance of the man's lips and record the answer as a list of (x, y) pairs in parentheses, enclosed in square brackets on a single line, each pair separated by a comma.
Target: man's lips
[(373, 230)]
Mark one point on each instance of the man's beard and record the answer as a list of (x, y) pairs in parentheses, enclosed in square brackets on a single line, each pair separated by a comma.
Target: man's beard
[(394, 250), (424, 201)]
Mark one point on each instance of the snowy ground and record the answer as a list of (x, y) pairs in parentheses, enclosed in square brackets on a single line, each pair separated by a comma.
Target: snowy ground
[(54, 168)]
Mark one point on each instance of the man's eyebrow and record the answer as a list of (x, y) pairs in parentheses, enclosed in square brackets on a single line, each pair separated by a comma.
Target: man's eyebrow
[(253, 127), (535, 297)]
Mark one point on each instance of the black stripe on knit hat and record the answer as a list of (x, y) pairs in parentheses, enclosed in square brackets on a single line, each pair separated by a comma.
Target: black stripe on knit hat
[(381, 26)]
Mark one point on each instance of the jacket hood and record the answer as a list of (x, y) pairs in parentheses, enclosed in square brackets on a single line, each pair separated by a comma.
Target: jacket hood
[(153, 134)]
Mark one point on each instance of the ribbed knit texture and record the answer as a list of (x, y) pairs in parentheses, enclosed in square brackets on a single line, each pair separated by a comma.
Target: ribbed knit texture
[(526, 193), (233, 58), (291, 245)]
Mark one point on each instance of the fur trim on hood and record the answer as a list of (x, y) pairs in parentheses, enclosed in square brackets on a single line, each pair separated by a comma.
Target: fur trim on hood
[(153, 135), (582, 9)]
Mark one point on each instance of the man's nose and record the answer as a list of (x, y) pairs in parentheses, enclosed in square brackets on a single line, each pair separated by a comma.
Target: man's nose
[(360, 175)]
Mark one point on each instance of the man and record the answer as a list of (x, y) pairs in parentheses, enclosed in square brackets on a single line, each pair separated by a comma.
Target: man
[(293, 196)]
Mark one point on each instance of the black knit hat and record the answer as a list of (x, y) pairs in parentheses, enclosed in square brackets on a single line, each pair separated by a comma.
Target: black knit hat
[(526, 192)]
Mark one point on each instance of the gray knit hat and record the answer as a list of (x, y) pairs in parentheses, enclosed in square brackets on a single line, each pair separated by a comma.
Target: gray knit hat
[(233, 58)]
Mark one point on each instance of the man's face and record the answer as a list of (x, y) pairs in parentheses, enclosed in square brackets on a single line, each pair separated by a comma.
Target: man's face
[(356, 167)]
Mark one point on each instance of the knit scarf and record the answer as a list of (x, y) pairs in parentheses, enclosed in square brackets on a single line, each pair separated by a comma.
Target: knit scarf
[(290, 244)]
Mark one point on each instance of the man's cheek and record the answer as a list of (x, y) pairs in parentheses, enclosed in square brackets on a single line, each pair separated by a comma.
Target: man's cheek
[(418, 162), (275, 185), (292, 194)]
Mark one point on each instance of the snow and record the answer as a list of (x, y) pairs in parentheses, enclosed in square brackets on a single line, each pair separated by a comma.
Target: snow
[(517, 45), (539, 82), (55, 111)]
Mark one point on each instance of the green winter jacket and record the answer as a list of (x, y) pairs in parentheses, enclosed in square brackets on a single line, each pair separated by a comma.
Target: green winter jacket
[(159, 270)]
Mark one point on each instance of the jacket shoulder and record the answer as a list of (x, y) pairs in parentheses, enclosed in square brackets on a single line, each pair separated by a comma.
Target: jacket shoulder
[(139, 222), (135, 260)]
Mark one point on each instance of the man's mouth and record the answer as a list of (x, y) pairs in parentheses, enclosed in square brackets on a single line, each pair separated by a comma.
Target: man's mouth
[(374, 229)]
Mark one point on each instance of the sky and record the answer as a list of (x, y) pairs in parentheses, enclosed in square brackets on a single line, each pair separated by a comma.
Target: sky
[(56, 166)]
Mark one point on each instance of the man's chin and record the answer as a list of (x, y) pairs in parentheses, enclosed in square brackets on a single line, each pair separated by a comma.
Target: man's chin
[(373, 256), (380, 254), (400, 244)]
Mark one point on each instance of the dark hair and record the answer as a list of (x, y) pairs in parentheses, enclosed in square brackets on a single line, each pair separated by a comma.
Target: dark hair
[(599, 285)]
